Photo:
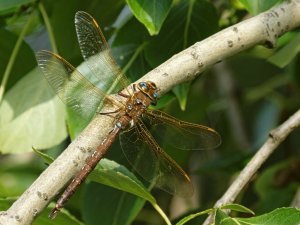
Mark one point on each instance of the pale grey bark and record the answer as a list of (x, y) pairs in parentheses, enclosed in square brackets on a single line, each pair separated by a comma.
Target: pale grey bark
[(276, 136)]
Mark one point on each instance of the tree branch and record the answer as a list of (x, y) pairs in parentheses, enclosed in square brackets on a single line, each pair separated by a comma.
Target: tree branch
[(296, 200), (276, 136), (182, 67)]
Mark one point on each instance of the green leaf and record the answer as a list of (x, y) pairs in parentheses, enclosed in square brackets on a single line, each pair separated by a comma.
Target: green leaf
[(63, 218), (28, 21), (5, 203), (270, 184), (110, 206), (286, 216), (188, 22), (9, 6), (192, 216), (24, 62), (151, 13), (104, 12), (219, 216), (258, 6), (15, 179), (181, 91), (112, 174), (117, 176), (31, 116), (66, 39), (287, 53), (229, 221), (76, 123), (237, 208), (128, 47), (47, 158), (265, 181), (198, 19)]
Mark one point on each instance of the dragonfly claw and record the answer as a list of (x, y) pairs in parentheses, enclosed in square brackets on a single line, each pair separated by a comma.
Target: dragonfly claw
[(54, 213)]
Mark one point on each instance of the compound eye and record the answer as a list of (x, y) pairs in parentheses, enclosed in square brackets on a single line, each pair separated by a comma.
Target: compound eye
[(143, 86)]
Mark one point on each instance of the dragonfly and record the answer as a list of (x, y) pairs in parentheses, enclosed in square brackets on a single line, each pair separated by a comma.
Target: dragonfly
[(132, 118)]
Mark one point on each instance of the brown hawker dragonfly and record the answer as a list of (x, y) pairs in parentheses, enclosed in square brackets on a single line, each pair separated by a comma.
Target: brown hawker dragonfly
[(132, 119)]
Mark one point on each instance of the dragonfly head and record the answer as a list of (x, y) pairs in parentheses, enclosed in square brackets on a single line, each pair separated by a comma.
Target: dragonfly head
[(150, 89)]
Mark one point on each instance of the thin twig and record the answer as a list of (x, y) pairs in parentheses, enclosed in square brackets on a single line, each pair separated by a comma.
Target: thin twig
[(276, 136), (48, 27), (296, 200), (14, 55), (182, 67)]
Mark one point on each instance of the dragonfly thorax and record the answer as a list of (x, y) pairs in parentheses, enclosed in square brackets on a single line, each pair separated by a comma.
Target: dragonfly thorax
[(145, 94), (150, 89)]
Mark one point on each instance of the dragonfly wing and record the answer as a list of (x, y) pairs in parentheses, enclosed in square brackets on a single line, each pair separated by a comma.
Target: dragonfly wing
[(152, 163), (97, 55), (173, 133), (73, 88)]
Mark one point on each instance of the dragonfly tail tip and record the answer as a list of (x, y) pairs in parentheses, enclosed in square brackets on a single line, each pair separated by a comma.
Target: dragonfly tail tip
[(53, 213)]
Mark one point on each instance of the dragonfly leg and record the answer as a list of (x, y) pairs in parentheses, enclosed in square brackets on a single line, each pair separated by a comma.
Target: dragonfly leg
[(127, 95), (134, 88), (115, 117), (108, 113), (123, 94)]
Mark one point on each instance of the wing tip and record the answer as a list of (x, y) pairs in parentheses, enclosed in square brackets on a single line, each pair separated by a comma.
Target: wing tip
[(82, 14)]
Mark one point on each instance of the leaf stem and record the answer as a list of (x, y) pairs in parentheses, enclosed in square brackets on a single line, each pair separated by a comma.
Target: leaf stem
[(161, 212), (13, 56), (135, 55), (188, 21), (48, 27), (192, 216)]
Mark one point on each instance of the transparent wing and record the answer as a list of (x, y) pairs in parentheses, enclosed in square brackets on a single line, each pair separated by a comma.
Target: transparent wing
[(170, 132), (73, 88), (97, 55), (152, 163)]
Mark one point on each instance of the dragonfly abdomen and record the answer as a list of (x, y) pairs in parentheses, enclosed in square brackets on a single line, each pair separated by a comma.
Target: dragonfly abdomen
[(85, 171)]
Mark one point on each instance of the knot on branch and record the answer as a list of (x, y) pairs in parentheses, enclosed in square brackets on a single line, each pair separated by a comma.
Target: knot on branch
[(274, 136), (273, 26)]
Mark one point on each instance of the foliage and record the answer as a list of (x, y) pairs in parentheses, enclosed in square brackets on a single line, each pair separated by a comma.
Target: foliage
[(143, 34)]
